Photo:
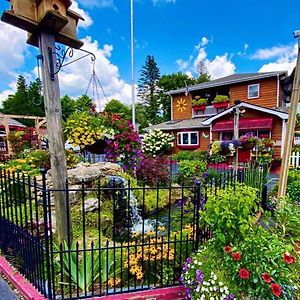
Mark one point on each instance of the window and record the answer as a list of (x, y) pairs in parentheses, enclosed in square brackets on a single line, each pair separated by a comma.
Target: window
[(190, 138), (253, 91)]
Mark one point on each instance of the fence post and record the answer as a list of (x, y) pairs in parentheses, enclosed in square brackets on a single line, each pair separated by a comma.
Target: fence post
[(198, 200), (46, 233)]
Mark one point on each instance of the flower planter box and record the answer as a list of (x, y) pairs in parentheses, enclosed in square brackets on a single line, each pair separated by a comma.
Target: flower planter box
[(199, 107), (221, 105)]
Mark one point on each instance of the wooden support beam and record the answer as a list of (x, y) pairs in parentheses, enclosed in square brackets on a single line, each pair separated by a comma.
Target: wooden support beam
[(55, 136)]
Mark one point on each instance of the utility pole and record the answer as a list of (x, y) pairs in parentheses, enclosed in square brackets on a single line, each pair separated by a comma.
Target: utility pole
[(132, 62), (290, 132), (55, 135)]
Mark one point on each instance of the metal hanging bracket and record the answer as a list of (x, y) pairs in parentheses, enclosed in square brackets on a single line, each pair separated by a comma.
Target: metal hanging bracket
[(61, 55)]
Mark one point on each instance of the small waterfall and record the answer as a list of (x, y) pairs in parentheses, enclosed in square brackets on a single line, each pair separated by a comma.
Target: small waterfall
[(138, 225)]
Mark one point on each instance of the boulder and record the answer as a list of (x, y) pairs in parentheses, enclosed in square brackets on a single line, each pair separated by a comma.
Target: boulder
[(91, 205)]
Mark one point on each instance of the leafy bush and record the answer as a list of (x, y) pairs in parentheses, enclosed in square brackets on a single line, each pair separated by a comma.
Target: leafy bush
[(189, 169), (153, 170), (293, 191), (191, 155), (261, 266), (217, 158), (229, 211), (199, 101), (157, 142)]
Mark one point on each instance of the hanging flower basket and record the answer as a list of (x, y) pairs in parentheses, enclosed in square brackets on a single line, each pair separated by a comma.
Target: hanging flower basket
[(248, 146), (221, 105), (97, 148), (199, 107)]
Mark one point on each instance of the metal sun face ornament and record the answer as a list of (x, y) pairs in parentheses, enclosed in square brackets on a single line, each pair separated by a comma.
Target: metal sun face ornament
[(181, 105)]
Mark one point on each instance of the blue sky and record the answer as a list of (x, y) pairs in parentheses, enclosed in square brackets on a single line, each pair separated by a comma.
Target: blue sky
[(227, 36)]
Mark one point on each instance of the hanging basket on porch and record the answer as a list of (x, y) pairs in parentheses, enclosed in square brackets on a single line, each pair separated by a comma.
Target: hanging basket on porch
[(97, 148), (248, 146)]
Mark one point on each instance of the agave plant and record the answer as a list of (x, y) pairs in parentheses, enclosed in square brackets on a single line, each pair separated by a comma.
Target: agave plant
[(85, 270)]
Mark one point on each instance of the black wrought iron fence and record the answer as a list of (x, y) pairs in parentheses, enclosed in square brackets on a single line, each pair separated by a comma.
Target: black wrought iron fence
[(125, 237)]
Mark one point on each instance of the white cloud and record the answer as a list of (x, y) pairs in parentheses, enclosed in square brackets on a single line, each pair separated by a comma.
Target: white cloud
[(12, 50), (242, 53), (275, 52), (219, 66), (74, 78), (284, 58), (87, 19)]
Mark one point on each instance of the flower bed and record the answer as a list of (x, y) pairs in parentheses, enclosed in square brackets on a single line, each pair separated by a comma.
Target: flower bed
[(245, 260)]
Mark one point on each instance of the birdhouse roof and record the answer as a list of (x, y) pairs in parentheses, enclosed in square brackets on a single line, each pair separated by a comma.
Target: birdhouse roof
[(75, 14)]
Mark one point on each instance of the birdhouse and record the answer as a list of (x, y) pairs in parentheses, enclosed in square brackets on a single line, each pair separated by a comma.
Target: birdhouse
[(68, 35), (22, 14), (59, 6), (24, 8)]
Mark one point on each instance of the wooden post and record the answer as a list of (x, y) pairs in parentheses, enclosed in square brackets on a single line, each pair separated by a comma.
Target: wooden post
[(55, 136), (290, 132)]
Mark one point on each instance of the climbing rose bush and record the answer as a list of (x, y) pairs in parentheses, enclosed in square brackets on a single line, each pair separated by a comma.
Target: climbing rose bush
[(157, 142)]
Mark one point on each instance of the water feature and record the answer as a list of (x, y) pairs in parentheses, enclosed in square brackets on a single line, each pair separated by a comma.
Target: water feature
[(137, 223)]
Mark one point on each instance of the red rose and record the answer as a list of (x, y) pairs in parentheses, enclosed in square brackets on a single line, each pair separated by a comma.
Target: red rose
[(276, 289), (236, 256), (227, 249), (244, 273), (266, 277), (288, 258)]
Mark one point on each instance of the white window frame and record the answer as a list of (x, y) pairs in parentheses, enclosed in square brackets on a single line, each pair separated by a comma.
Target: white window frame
[(189, 138), (258, 90)]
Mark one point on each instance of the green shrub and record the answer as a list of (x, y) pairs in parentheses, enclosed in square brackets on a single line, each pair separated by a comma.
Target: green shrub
[(229, 211), (191, 155), (189, 169), (293, 191)]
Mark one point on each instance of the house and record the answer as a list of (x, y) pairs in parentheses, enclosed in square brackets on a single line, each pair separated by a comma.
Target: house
[(7, 125), (260, 97)]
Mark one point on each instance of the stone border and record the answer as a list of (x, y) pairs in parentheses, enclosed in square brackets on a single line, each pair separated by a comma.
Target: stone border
[(21, 284)]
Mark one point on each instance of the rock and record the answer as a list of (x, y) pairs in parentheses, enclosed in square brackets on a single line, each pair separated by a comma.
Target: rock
[(91, 204), (86, 172)]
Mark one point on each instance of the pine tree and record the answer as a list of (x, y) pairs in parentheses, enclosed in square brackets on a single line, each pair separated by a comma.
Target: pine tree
[(148, 89)]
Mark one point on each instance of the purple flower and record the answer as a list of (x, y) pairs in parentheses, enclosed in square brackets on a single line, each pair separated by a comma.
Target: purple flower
[(199, 276), (186, 211), (181, 202), (232, 296), (189, 260), (185, 268), (181, 280), (188, 294)]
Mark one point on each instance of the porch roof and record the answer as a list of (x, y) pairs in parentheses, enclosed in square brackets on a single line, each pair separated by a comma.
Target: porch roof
[(244, 124)]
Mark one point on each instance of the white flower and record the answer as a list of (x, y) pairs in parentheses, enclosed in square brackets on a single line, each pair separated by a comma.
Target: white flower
[(220, 283)]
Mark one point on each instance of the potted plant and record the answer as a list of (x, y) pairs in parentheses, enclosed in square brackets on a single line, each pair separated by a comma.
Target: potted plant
[(221, 101), (248, 141), (268, 142), (199, 103)]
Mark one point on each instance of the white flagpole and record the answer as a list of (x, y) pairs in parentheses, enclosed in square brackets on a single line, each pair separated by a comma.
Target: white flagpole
[(132, 62)]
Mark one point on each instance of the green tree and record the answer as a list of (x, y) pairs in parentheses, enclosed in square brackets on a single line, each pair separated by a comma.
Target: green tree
[(148, 90), (83, 103), (68, 107), (26, 101), (117, 107)]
